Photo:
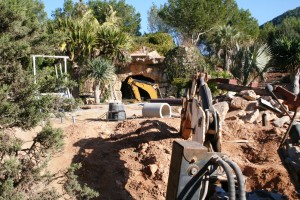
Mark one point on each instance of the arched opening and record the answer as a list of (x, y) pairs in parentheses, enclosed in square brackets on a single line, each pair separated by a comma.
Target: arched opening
[(127, 92)]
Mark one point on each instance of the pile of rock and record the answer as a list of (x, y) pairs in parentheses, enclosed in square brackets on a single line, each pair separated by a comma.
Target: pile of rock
[(245, 107), (248, 109)]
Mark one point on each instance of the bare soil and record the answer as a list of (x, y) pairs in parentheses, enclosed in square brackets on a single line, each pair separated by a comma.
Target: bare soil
[(130, 159)]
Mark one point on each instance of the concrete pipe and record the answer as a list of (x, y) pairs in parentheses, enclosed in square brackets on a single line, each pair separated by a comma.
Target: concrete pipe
[(162, 110)]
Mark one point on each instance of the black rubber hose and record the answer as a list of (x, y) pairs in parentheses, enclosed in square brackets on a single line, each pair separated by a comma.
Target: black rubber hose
[(229, 174), (240, 178)]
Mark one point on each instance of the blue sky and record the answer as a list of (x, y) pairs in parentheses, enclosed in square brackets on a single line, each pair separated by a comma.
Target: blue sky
[(262, 10)]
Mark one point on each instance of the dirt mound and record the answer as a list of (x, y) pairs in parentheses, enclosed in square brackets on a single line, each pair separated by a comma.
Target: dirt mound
[(254, 148), (130, 159)]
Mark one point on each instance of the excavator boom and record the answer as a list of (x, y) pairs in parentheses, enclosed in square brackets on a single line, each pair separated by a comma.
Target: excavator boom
[(151, 88)]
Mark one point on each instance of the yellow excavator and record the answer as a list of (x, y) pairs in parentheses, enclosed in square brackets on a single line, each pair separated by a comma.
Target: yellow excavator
[(151, 88)]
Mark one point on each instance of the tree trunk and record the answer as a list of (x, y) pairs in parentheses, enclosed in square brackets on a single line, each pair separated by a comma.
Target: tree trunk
[(75, 76), (226, 60), (97, 93), (295, 82)]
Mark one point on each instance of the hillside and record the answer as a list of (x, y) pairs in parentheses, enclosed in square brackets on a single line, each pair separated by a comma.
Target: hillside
[(290, 13)]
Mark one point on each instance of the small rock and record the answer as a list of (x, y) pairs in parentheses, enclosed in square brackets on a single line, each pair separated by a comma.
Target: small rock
[(250, 95), (143, 146), (252, 105), (239, 103), (241, 113), (240, 122), (252, 117), (151, 169), (281, 121), (230, 94)]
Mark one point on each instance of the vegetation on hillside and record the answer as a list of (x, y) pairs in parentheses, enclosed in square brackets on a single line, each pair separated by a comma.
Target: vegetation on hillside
[(290, 13)]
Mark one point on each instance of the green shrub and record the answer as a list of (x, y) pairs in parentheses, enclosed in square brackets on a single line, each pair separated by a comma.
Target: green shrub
[(220, 74), (74, 188), (161, 42), (22, 169)]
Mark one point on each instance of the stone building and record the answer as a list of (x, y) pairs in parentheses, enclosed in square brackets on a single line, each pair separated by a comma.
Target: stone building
[(146, 66)]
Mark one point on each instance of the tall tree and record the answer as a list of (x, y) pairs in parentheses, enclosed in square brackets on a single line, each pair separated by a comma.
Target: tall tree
[(130, 20), (22, 33), (193, 18), (155, 23), (77, 30), (84, 38), (225, 40), (112, 42), (242, 21)]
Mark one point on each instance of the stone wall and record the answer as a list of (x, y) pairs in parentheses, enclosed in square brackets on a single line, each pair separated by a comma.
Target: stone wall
[(149, 65)]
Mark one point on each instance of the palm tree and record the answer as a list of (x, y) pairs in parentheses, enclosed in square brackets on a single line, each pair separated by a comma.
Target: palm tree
[(78, 41), (251, 61), (112, 43), (286, 51), (225, 39), (101, 70)]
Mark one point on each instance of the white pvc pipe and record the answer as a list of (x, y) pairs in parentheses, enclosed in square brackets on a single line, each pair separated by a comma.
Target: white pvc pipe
[(162, 110)]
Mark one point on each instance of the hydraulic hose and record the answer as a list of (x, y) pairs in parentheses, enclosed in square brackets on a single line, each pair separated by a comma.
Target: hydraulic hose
[(204, 190), (240, 178), (227, 169)]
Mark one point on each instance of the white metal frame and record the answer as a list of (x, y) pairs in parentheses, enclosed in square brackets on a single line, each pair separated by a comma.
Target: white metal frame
[(47, 56)]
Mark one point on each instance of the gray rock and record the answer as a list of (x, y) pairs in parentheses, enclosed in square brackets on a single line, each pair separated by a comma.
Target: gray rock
[(222, 109), (151, 169), (252, 117), (230, 94), (250, 95), (281, 121), (239, 103), (252, 105), (270, 116)]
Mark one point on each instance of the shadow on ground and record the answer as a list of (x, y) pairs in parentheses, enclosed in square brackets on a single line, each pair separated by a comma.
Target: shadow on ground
[(102, 168)]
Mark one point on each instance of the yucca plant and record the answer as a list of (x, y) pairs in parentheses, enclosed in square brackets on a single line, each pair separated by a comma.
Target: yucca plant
[(286, 52), (101, 70)]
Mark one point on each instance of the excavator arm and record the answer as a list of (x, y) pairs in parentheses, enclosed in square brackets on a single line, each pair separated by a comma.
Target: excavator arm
[(151, 88), (198, 117)]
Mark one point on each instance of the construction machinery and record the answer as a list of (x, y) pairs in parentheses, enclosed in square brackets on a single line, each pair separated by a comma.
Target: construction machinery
[(199, 119), (198, 169), (151, 88), (289, 147)]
